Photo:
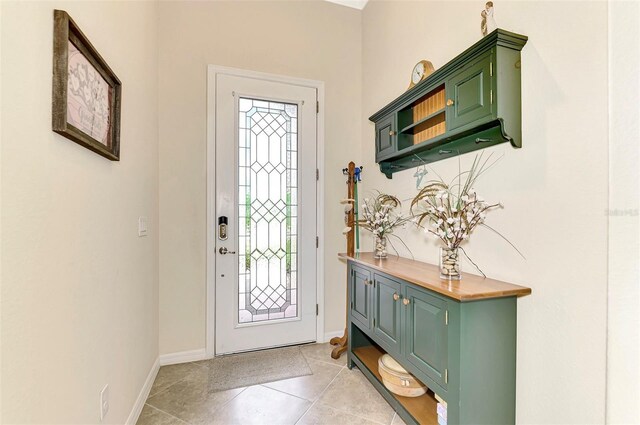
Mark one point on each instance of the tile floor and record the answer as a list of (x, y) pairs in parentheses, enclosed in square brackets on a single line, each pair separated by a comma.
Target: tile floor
[(333, 395)]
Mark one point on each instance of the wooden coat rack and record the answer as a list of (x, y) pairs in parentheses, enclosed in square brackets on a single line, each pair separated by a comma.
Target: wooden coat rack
[(341, 343)]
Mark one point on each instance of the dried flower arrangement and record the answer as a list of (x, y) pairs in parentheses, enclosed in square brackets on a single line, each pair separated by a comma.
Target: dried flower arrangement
[(452, 211), (380, 217)]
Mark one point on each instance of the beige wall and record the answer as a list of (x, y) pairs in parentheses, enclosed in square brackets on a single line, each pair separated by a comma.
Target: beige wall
[(310, 39), (80, 303), (623, 354), (0, 213), (79, 287), (554, 189)]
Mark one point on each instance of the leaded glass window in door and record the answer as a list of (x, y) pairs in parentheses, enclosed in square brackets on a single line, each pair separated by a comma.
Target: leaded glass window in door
[(267, 225)]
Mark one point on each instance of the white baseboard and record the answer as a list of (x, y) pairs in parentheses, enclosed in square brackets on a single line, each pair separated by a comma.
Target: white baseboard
[(144, 393), (183, 357), (329, 335)]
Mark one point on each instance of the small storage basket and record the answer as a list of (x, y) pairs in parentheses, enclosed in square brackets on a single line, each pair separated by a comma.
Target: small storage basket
[(397, 380)]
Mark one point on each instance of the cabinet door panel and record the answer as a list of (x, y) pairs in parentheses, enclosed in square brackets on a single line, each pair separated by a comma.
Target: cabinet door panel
[(470, 90), (387, 312), (385, 137), (426, 334), (360, 294)]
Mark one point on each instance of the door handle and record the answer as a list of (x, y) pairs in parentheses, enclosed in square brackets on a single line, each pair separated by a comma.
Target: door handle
[(223, 250)]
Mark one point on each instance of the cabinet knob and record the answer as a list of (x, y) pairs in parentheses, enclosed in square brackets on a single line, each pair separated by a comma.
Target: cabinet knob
[(396, 297), (405, 301), (367, 282), (450, 102), (392, 133)]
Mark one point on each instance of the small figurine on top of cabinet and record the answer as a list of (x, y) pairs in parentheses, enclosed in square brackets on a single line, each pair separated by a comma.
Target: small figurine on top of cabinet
[(488, 24)]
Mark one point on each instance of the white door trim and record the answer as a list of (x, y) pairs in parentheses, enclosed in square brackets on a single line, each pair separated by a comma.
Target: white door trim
[(212, 71)]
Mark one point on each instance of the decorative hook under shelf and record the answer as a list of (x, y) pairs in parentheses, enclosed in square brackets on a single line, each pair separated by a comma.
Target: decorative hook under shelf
[(418, 159), (421, 171)]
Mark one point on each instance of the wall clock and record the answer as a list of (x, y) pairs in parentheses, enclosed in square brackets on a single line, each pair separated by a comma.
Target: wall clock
[(421, 71)]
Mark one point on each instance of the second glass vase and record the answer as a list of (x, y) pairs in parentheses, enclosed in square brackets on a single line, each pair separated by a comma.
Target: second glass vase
[(380, 247), (450, 264)]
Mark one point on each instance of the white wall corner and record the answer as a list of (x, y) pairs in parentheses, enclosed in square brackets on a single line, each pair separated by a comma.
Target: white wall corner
[(356, 4), (144, 393), (183, 357)]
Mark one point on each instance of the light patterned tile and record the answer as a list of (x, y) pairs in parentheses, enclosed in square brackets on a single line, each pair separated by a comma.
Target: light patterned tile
[(321, 414), (311, 386), (261, 405), (169, 375), (322, 352), (153, 416), (191, 400), (351, 392)]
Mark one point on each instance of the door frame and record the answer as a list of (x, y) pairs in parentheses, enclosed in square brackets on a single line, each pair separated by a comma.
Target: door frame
[(212, 72)]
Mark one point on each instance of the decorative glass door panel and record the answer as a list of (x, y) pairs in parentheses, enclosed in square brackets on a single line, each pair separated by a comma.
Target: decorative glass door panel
[(266, 201), (267, 208)]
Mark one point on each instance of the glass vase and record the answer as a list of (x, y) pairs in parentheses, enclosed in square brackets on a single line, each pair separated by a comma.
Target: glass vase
[(380, 247), (450, 264)]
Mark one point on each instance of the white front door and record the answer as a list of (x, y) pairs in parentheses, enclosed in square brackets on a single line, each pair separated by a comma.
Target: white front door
[(265, 138)]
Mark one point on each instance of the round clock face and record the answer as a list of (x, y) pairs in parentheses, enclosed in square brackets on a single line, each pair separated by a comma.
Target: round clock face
[(418, 73)]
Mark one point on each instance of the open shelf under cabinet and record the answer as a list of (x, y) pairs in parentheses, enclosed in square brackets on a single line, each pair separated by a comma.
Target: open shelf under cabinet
[(423, 408)]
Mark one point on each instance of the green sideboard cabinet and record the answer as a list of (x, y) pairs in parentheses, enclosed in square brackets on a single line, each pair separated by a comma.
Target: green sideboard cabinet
[(387, 312), (360, 297), (426, 333), (458, 338), (470, 103)]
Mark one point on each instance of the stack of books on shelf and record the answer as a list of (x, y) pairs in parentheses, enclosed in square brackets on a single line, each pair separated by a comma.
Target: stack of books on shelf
[(442, 410)]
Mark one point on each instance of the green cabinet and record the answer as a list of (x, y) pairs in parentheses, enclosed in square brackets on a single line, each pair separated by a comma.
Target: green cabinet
[(470, 93), (387, 309), (360, 292), (425, 334), (470, 103), (462, 346), (385, 137)]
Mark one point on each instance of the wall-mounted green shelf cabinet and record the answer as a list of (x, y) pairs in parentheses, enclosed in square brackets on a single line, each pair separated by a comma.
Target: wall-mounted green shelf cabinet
[(471, 103)]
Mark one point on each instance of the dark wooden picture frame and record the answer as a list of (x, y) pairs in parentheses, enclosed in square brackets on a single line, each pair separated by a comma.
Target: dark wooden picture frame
[(66, 33)]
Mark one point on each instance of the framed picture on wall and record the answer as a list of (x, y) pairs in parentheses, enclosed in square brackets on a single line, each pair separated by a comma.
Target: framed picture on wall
[(86, 92)]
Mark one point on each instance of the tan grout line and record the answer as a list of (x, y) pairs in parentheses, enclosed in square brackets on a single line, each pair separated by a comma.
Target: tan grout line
[(167, 413), (323, 361), (351, 413), (165, 389), (199, 365), (280, 391), (184, 379), (170, 385), (231, 399), (320, 395)]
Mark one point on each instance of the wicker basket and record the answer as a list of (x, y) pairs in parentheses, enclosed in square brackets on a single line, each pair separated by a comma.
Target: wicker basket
[(397, 380)]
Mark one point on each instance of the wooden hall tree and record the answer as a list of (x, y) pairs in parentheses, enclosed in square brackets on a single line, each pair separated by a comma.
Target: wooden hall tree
[(341, 343)]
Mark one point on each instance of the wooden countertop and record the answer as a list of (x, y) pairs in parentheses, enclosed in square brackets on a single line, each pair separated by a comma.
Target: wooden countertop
[(472, 287)]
